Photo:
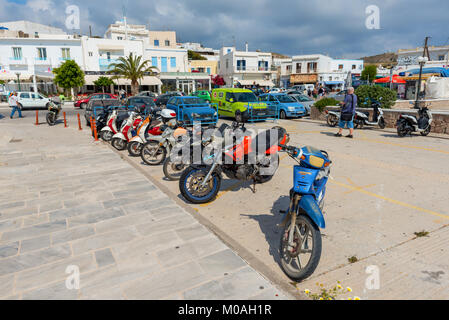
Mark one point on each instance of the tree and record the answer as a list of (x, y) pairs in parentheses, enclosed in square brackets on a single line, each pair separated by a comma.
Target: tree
[(369, 73), (195, 55), (365, 93), (103, 82), (132, 68), (69, 75)]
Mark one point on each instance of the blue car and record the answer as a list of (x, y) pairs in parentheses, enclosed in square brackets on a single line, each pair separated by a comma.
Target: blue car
[(288, 107), (192, 110)]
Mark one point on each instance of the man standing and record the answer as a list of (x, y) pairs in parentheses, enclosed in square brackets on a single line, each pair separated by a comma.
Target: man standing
[(347, 113), (14, 105)]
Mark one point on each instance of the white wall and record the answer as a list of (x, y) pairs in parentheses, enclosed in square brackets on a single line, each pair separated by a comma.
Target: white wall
[(179, 54)]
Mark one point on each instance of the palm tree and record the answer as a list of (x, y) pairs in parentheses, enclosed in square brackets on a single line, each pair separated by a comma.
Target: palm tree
[(132, 68)]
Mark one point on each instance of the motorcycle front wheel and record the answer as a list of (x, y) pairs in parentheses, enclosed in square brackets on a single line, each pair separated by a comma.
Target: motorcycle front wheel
[(191, 189), (382, 123), (134, 148), (119, 144), (173, 171), (153, 154), (51, 119), (402, 132), (300, 262), (426, 132), (106, 135), (332, 120)]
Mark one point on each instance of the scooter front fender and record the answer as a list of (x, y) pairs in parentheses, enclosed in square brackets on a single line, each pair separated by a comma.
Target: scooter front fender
[(106, 129), (136, 139), (312, 209), (119, 135)]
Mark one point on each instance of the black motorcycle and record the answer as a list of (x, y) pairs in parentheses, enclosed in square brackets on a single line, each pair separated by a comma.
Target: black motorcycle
[(54, 109), (408, 123)]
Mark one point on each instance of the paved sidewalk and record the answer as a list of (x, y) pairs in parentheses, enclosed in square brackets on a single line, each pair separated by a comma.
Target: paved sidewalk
[(67, 201)]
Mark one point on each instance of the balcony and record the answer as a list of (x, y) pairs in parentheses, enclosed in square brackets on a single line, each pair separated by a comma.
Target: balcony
[(105, 64), (252, 69), (65, 59), (18, 61)]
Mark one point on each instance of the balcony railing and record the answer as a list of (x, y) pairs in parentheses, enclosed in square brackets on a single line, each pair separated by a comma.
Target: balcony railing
[(107, 62), (252, 69), (42, 61), (65, 58), (17, 60)]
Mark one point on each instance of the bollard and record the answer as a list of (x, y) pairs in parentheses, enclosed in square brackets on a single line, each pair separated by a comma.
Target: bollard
[(79, 122), (65, 120), (37, 118), (91, 125), (95, 129)]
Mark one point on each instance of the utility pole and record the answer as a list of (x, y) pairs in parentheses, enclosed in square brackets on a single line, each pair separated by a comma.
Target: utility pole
[(422, 62)]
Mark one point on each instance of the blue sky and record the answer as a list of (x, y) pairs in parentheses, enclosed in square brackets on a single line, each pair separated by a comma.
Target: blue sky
[(334, 27)]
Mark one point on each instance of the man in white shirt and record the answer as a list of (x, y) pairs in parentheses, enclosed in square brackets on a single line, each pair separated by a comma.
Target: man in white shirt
[(14, 105)]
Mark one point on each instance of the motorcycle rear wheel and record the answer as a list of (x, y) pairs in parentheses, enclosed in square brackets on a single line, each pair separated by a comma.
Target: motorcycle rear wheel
[(119, 144), (189, 185), (173, 171), (402, 132), (382, 123), (306, 231), (332, 120), (51, 119), (149, 156), (134, 148)]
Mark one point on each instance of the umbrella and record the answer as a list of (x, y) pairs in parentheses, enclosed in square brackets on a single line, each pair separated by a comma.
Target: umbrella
[(395, 79)]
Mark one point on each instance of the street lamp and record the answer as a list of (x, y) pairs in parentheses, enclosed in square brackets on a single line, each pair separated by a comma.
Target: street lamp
[(18, 79), (422, 61)]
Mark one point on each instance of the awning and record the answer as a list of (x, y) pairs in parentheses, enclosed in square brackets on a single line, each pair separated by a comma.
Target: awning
[(5, 76), (146, 81), (395, 79), (333, 82), (110, 47), (150, 81), (262, 83)]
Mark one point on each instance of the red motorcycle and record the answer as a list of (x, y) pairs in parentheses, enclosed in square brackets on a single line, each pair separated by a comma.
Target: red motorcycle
[(245, 158)]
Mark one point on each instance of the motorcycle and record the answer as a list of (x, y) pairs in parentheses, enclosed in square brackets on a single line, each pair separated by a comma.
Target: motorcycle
[(301, 236), (175, 164), (362, 118), (113, 125), (127, 131), (156, 149), (144, 133), (201, 183), (407, 124), (332, 118), (53, 112)]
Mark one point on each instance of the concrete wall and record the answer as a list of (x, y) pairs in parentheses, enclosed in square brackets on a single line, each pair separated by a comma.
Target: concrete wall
[(440, 119)]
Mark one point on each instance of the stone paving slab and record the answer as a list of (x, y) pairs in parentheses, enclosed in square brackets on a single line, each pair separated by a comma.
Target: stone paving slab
[(67, 201)]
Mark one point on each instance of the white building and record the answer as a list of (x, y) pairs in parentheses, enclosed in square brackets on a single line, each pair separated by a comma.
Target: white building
[(408, 58), (33, 59), (317, 68), (31, 28), (245, 68)]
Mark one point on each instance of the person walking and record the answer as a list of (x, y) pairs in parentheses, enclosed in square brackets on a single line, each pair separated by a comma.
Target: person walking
[(13, 103), (347, 113)]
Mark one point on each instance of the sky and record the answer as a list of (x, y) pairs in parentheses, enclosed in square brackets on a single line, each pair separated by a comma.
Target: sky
[(292, 27)]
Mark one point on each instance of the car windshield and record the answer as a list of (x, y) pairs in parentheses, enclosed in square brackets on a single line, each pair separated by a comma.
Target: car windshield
[(285, 98), (304, 98), (194, 100), (244, 97)]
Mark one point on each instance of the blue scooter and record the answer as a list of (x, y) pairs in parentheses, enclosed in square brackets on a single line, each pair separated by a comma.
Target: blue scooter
[(300, 247)]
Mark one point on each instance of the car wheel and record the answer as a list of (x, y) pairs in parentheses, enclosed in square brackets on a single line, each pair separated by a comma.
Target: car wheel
[(282, 115), (83, 105)]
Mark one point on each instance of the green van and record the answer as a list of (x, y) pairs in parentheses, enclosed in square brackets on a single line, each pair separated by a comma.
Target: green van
[(203, 94), (231, 100)]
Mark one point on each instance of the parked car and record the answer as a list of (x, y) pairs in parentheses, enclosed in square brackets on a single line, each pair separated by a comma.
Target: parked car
[(193, 109), (306, 101), (339, 96), (288, 106), (162, 100), (28, 100), (143, 102), (96, 106), (302, 87), (203, 94), (83, 102), (147, 94), (235, 101)]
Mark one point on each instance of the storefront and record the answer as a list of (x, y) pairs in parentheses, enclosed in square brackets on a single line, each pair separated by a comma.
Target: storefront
[(187, 82)]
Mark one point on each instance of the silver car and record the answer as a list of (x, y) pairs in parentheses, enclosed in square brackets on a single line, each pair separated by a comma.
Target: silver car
[(304, 100)]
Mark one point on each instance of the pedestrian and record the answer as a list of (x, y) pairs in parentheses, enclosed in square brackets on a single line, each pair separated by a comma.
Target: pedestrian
[(13, 103), (347, 113)]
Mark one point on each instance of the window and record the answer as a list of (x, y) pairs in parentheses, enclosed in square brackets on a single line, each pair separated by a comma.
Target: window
[(354, 67), (108, 55), (25, 96), (164, 64), (65, 52), (312, 67), (298, 68), (167, 43), (340, 67), (173, 62), (330, 78), (17, 53), (229, 50), (42, 53), (91, 53), (156, 43), (289, 68), (227, 63), (208, 70), (440, 58), (263, 66), (241, 65), (154, 61)]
